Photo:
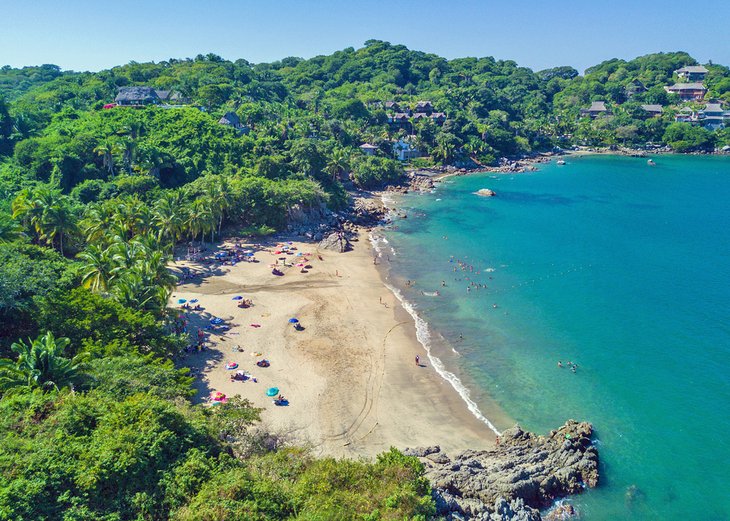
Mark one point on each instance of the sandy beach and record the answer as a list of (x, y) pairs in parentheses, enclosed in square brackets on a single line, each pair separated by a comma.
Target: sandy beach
[(350, 375)]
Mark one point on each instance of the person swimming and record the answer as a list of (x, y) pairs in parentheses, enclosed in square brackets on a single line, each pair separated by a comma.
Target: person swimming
[(560, 364)]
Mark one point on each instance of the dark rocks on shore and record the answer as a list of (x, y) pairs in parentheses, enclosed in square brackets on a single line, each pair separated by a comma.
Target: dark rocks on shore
[(522, 474), (336, 241)]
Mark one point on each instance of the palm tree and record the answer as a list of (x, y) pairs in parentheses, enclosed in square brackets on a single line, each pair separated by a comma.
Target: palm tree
[(106, 149), (9, 229), (129, 153), (218, 192), (151, 160), (97, 270), (200, 218), (25, 210), (168, 217), (47, 211), (40, 364), (338, 163), (58, 221)]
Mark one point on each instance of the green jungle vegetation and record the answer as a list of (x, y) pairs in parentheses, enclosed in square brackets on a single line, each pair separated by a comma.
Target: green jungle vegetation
[(97, 418)]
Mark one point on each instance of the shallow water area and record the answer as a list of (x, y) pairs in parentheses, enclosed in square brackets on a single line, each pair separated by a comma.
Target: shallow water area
[(605, 262)]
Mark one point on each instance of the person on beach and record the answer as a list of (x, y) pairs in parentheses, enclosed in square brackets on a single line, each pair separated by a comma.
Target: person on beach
[(418, 361)]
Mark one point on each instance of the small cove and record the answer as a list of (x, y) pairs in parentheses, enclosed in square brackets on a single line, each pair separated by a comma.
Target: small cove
[(606, 262)]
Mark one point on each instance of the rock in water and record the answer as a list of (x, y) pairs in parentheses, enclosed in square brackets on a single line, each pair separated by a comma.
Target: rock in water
[(521, 475), (336, 242), (486, 192)]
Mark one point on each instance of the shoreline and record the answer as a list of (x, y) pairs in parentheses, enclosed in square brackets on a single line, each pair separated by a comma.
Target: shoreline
[(350, 376), (422, 334)]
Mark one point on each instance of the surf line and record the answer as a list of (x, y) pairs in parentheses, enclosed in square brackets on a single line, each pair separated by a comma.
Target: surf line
[(424, 338)]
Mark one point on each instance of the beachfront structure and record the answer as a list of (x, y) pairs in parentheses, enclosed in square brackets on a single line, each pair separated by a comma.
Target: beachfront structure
[(653, 110), (404, 151), (688, 91), (713, 116), (136, 97), (692, 73), (392, 105), (368, 149), (597, 108)]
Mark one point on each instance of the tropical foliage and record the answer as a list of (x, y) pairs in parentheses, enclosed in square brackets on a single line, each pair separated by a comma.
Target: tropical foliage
[(96, 417)]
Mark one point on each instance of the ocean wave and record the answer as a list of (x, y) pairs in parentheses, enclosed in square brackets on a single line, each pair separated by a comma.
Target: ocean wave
[(424, 337)]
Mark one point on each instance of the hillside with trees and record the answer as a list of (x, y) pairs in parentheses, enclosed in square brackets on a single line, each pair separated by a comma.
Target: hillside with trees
[(97, 420)]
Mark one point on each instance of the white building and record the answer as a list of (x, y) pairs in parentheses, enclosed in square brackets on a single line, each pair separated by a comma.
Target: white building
[(404, 151)]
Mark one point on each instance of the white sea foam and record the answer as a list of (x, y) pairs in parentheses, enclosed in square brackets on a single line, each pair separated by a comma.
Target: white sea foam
[(424, 337)]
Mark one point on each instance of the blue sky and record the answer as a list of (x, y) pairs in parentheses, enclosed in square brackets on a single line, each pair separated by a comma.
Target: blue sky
[(94, 35)]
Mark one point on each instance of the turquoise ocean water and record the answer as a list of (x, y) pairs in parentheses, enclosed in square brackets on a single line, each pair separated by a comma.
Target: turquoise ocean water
[(619, 267)]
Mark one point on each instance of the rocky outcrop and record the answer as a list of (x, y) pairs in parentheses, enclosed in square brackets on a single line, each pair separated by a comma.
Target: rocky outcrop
[(336, 241), (521, 475), (367, 212), (486, 192)]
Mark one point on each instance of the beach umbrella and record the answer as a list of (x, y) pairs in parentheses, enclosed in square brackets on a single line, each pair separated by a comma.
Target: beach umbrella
[(237, 297), (181, 301), (272, 391), (193, 301), (293, 321)]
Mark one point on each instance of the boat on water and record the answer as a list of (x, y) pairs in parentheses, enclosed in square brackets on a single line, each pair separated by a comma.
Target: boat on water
[(651, 162), (560, 161)]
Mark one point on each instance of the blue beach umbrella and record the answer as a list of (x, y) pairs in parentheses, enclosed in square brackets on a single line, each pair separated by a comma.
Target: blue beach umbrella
[(237, 297), (193, 301), (293, 321), (272, 391), (181, 301)]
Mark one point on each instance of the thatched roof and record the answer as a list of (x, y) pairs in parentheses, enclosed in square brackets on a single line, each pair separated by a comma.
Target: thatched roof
[(169, 95), (658, 109), (713, 107), (368, 146), (231, 119), (137, 95), (598, 106), (692, 69), (686, 86)]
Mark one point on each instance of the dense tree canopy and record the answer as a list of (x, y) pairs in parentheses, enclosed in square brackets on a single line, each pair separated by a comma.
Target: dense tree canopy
[(96, 421)]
